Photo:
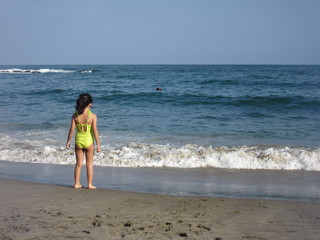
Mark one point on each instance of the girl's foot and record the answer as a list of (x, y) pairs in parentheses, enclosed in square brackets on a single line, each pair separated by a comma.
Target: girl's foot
[(91, 187), (77, 186)]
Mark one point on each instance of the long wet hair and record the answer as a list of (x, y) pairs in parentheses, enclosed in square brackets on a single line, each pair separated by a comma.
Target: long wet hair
[(82, 102)]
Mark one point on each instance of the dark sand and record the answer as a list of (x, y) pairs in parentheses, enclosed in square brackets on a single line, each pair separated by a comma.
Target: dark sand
[(42, 211)]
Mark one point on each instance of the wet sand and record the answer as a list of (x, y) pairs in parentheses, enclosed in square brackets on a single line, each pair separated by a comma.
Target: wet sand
[(43, 211), (262, 184)]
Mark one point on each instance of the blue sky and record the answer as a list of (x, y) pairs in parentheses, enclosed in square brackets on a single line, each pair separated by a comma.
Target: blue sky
[(160, 32)]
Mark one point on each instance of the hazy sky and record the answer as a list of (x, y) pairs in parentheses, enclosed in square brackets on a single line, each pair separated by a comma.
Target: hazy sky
[(160, 32)]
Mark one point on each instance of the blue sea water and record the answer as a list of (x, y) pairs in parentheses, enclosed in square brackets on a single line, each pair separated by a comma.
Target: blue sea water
[(221, 116)]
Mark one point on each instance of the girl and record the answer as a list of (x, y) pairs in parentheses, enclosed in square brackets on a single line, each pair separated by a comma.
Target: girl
[(86, 123)]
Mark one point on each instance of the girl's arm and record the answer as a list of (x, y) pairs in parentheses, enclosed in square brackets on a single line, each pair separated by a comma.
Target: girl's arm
[(71, 131), (96, 132)]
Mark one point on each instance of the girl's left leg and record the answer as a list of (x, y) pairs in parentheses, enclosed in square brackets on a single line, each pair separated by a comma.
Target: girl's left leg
[(89, 164)]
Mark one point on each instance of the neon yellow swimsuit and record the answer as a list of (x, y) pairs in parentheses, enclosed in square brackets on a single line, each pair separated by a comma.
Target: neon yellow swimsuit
[(84, 136)]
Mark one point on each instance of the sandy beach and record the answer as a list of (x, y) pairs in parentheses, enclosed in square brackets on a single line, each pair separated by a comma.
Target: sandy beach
[(41, 211)]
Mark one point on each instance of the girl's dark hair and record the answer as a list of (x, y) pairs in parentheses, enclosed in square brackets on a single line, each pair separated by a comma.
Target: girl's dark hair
[(82, 102)]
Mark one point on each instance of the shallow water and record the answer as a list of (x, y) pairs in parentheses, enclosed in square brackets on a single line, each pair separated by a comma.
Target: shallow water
[(264, 184)]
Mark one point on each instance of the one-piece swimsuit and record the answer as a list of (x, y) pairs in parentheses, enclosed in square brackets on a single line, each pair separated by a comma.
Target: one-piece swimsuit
[(84, 135)]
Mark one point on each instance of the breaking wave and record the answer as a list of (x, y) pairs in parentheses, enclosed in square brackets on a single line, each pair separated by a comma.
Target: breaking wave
[(155, 155), (44, 70)]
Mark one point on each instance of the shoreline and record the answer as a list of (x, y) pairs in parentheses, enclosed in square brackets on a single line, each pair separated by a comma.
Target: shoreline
[(37, 211), (209, 182)]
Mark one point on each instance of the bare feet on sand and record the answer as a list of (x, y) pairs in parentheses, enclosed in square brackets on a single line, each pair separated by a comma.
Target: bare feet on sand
[(80, 186)]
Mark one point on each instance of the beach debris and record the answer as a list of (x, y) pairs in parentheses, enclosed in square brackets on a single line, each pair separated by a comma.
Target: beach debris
[(169, 226), (183, 234), (96, 223), (204, 227), (128, 224)]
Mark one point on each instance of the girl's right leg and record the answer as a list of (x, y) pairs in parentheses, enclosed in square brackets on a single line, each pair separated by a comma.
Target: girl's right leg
[(77, 170), (89, 163)]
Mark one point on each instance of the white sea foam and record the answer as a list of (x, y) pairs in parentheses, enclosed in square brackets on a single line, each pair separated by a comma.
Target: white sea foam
[(44, 70), (153, 155), (87, 71), (194, 156)]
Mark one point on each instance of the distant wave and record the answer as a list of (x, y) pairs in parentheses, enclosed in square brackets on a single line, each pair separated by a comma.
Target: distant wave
[(187, 156), (45, 70), (89, 71), (285, 102)]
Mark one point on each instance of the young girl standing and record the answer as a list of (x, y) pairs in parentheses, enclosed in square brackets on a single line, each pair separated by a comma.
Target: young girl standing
[(86, 124)]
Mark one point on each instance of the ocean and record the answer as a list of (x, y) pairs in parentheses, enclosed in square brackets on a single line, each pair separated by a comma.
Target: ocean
[(257, 117)]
